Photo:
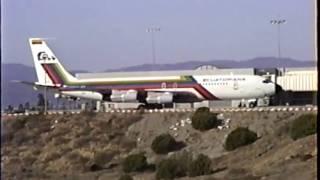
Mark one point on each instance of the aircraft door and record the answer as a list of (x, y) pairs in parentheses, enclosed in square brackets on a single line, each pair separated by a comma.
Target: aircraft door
[(234, 82), (235, 85), (175, 85), (163, 85)]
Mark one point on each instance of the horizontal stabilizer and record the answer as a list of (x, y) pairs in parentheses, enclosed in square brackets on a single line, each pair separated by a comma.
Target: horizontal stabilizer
[(36, 86)]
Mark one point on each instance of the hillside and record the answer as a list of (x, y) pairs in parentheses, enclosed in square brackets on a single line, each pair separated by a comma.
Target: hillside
[(16, 93), (259, 62), (92, 146)]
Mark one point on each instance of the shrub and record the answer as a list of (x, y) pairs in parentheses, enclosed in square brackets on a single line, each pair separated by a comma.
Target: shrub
[(88, 113), (181, 165), (76, 158), (202, 109), (170, 169), (18, 124), (135, 162), (184, 159), (303, 126), (94, 167), (163, 144), (125, 177), (101, 158), (127, 144), (200, 166), (283, 129), (204, 120), (240, 137), (175, 166)]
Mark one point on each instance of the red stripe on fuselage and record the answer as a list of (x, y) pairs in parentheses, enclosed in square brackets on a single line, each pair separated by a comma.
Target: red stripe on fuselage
[(56, 74), (204, 93), (52, 76)]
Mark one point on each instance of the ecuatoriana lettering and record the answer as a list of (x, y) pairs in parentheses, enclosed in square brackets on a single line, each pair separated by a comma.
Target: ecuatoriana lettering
[(223, 79)]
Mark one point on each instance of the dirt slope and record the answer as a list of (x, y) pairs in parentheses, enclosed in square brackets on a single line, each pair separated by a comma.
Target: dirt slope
[(91, 146)]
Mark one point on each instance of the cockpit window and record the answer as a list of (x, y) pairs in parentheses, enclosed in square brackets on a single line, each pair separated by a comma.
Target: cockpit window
[(267, 81)]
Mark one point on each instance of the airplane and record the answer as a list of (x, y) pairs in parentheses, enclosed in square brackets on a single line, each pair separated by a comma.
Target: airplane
[(152, 90)]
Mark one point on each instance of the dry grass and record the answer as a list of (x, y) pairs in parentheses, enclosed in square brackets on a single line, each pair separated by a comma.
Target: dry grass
[(80, 143)]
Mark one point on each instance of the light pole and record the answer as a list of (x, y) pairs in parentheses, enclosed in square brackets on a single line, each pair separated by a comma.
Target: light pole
[(45, 83), (278, 22), (45, 92), (315, 30), (152, 30)]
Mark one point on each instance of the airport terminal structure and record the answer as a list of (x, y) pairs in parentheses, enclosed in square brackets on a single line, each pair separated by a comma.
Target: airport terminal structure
[(299, 86)]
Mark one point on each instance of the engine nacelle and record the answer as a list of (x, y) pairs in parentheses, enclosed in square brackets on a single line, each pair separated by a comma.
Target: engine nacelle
[(83, 94), (159, 98), (124, 96)]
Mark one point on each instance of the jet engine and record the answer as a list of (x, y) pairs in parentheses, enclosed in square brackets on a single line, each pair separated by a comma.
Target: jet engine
[(82, 94), (159, 98), (124, 96)]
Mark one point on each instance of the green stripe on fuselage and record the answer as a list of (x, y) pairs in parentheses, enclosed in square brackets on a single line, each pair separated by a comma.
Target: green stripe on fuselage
[(66, 81)]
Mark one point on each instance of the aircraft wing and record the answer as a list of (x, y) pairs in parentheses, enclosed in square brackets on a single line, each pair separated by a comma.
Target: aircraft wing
[(36, 86), (180, 96)]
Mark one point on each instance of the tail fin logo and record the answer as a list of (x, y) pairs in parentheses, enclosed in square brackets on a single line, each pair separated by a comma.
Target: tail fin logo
[(44, 56)]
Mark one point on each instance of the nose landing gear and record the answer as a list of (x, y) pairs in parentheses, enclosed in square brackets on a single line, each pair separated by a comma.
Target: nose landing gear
[(251, 103)]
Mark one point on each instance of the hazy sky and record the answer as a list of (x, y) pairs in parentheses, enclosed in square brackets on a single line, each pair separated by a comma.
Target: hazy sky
[(96, 35)]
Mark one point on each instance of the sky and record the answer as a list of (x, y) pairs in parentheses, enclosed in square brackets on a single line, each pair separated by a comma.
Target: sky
[(97, 35)]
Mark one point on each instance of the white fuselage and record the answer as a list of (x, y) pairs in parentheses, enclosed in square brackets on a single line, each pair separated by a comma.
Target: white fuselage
[(222, 87), (147, 87)]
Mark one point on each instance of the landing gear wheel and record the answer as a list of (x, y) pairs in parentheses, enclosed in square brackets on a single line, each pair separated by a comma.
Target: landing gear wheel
[(251, 105), (141, 107), (158, 106), (149, 106)]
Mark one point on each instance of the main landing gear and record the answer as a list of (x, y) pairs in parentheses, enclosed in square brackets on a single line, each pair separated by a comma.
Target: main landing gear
[(149, 106)]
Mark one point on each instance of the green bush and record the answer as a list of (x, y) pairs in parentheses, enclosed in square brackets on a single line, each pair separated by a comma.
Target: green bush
[(163, 144), (204, 120), (102, 158), (303, 126), (170, 169), (18, 124), (135, 162), (200, 166), (240, 137), (125, 177), (180, 165), (88, 113), (202, 109)]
